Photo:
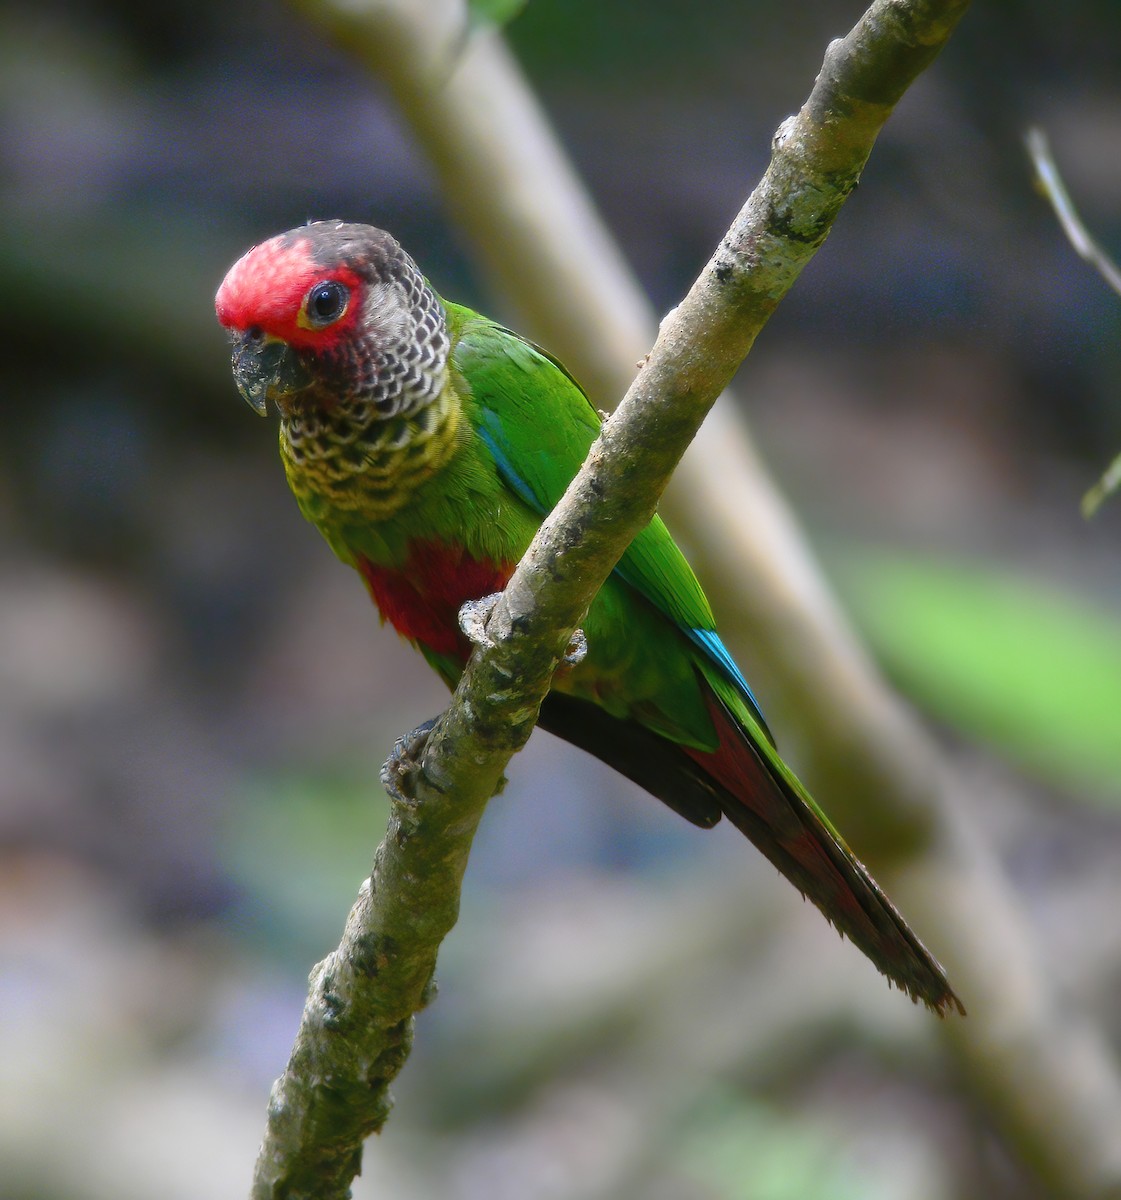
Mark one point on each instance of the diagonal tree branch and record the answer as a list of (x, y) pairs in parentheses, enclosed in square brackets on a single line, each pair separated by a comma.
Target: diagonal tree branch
[(357, 1023), (1046, 1075)]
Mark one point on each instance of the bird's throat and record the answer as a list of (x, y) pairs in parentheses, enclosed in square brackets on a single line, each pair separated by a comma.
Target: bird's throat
[(352, 461)]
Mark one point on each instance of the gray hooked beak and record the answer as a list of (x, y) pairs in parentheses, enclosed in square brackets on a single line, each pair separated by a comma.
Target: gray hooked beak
[(266, 368)]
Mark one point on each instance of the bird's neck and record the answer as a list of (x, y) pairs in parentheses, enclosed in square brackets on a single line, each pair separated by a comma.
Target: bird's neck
[(349, 461)]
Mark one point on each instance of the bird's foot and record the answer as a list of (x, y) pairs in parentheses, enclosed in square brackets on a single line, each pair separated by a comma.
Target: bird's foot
[(577, 649), (473, 618), (399, 770)]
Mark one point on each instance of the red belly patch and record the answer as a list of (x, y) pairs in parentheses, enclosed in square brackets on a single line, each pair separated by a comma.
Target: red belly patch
[(422, 598)]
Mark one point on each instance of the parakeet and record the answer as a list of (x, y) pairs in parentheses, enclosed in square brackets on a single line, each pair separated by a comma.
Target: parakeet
[(426, 443)]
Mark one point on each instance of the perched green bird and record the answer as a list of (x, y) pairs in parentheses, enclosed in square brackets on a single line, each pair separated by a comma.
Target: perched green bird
[(426, 443)]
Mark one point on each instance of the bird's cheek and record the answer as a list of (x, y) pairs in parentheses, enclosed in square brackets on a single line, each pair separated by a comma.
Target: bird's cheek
[(267, 369)]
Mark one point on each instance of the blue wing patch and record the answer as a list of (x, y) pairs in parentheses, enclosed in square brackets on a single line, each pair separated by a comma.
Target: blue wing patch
[(709, 641), (505, 468)]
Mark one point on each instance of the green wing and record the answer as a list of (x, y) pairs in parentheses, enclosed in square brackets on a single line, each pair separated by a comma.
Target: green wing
[(539, 426)]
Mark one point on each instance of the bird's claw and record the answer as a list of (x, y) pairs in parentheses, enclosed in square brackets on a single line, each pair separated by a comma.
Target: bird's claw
[(577, 649), (473, 618), (400, 768), (475, 614)]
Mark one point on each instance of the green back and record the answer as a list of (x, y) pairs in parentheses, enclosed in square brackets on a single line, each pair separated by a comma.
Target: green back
[(539, 426)]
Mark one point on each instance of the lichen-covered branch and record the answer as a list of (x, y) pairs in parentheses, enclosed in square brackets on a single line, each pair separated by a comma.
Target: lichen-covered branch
[(1046, 1076), (356, 1027)]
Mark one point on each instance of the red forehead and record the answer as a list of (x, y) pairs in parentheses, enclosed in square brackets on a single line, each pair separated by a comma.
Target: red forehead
[(266, 288)]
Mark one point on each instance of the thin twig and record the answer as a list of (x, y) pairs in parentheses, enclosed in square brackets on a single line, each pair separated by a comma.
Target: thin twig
[(1051, 185), (1105, 487)]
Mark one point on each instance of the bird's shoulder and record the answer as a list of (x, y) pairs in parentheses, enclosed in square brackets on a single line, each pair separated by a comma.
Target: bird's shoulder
[(522, 401)]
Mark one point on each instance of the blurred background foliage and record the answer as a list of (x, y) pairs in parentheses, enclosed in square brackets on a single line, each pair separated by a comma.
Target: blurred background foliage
[(195, 698)]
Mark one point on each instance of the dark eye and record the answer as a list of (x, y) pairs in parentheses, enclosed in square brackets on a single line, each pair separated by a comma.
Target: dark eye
[(326, 302)]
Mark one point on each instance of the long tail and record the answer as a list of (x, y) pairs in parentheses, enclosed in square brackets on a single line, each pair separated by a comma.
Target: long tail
[(745, 779)]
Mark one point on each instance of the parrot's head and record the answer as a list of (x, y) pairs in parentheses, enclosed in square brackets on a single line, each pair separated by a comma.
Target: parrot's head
[(332, 317)]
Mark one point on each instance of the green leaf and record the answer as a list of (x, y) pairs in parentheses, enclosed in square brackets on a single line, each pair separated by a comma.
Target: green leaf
[(1014, 661)]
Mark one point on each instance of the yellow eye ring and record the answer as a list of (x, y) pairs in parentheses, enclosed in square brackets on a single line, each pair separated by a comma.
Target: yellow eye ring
[(325, 303)]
